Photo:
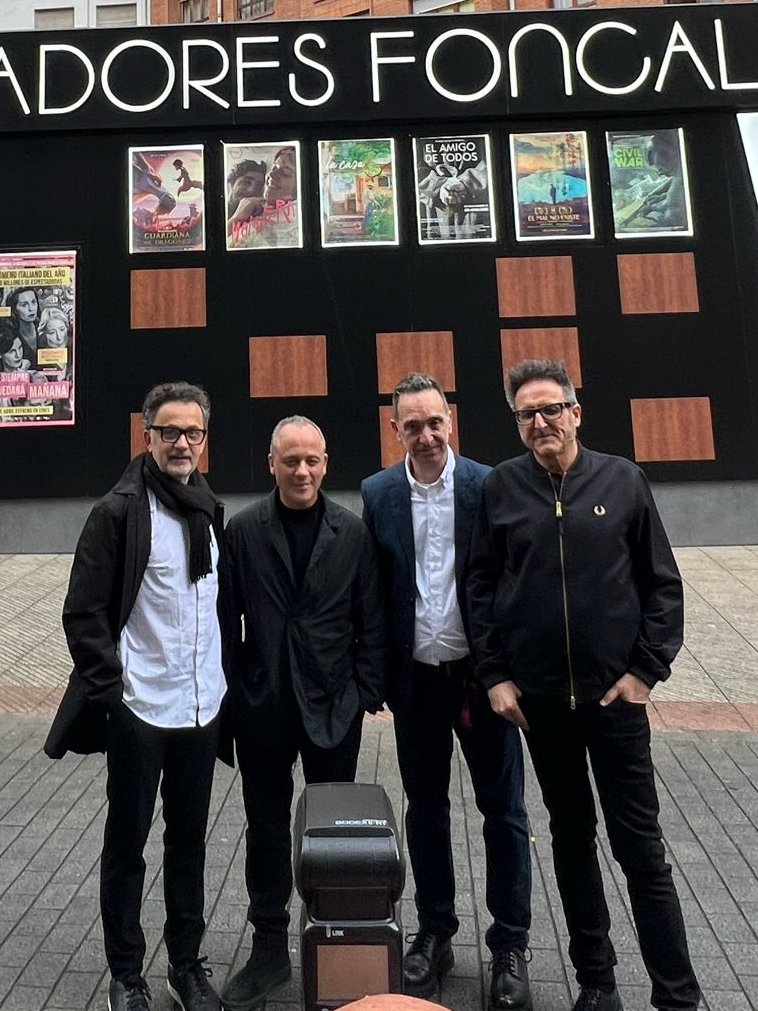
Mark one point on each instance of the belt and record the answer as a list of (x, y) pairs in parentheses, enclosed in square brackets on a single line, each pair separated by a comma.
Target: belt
[(447, 667)]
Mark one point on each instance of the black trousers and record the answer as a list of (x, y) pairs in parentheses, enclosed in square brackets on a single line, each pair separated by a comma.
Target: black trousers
[(492, 750), (267, 788), (139, 756), (617, 741)]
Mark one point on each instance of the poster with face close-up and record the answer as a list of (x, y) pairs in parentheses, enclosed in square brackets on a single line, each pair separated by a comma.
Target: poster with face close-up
[(649, 184), (263, 203), (357, 190), (37, 338), (167, 199), (552, 196), (454, 189)]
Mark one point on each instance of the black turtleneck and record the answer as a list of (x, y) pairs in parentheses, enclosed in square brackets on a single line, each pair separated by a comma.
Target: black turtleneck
[(301, 527)]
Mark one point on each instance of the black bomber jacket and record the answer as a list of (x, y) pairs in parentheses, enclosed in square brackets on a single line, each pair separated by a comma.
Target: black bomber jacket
[(572, 581)]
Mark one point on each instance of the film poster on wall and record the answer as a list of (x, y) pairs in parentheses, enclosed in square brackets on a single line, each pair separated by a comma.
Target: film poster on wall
[(357, 192), (37, 338), (167, 199), (552, 196), (454, 197), (650, 189), (263, 197)]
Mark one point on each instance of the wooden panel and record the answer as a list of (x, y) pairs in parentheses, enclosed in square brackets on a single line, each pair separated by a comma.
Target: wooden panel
[(138, 442), (430, 351), (288, 366), (560, 343), (672, 428), (168, 299), (658, 282), (392, 448), (535, 286)]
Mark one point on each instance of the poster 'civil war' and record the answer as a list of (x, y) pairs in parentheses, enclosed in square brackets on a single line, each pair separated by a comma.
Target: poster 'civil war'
[(454, 189), (552, 195), (263, 200), (357, 191), (649, 183), (167, 205), (37, 338)]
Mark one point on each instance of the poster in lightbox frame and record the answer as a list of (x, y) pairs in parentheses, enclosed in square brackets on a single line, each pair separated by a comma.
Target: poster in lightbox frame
[(454, 190), (263, 196), (552, 191), (650, 190), (38, 331), (357, 192), (167, 199)]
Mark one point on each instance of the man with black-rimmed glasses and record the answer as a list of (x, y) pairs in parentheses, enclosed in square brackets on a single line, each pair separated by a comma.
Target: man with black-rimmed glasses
[(575, 607), (142, 628)]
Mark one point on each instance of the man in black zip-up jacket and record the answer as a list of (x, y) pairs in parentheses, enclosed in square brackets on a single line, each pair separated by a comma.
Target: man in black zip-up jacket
[(576, 612)]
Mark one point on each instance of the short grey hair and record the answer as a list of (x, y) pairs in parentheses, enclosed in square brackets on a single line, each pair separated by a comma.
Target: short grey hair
[(293, 419), (538, 368), (417, 382), (178, 392)]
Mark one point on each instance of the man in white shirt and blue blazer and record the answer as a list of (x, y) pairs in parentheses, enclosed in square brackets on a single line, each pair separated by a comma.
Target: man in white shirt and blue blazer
[(421, 512)]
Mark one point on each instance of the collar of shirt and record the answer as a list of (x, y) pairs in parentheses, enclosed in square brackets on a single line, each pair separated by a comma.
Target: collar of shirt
[(445, 478)]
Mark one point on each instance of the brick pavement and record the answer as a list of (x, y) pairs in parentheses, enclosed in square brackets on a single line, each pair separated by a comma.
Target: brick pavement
[(51, 816)]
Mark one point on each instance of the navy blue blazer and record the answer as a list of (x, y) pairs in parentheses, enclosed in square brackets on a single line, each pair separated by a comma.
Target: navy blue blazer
[(387, 512)]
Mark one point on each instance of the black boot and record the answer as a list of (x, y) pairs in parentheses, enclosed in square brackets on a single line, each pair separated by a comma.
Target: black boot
[(266, 969)]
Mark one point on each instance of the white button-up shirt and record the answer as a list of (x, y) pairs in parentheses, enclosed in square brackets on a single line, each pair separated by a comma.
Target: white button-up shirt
[(439, 634), (170, 647)]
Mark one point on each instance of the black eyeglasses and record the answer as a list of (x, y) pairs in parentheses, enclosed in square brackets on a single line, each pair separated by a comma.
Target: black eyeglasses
[(548, 411), (194, 436)]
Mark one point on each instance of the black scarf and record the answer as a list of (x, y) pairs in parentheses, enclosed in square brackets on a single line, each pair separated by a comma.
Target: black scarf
[(195, 503)]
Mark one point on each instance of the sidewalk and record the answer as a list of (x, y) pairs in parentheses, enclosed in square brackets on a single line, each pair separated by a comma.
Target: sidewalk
[(706, 754)]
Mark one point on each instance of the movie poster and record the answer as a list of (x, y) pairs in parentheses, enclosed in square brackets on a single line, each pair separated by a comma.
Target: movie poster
[(37, 339), (357, 188), (263, 196), (552, 197), (649, 185), (167, 209), (454, 189)]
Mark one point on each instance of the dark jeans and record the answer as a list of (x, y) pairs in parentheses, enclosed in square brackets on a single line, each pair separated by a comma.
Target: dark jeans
[(492, 750), (137, 755), (267, 787), (617, 740)]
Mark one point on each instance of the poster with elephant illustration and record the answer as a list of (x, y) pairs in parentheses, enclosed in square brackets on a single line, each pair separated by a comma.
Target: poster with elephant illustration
[(357, 191), (454, 194), (552, 196)]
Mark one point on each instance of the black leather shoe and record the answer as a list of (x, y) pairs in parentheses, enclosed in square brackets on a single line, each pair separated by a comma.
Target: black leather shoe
[(597, 1000), (429, 957), (509, 990), (129, 995), (189, 986), (267, 968)]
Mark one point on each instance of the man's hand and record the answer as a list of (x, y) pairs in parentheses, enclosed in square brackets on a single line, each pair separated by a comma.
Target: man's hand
[(504, 701), (629, 688)]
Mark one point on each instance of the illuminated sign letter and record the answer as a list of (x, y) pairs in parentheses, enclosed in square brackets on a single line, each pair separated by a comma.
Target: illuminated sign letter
[(606, 89), (298, 48), (376, 59), (539, 27), (243, 65), (474, 96), (135, 44), (203, 86)]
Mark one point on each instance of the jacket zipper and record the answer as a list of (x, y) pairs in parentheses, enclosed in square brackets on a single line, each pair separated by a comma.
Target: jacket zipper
[(559, 517)]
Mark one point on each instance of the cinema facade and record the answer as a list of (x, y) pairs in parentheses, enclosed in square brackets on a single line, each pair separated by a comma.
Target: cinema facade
[(294, 214)]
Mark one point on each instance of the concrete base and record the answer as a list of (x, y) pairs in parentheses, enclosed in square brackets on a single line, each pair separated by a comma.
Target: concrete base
[(717, 512)]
